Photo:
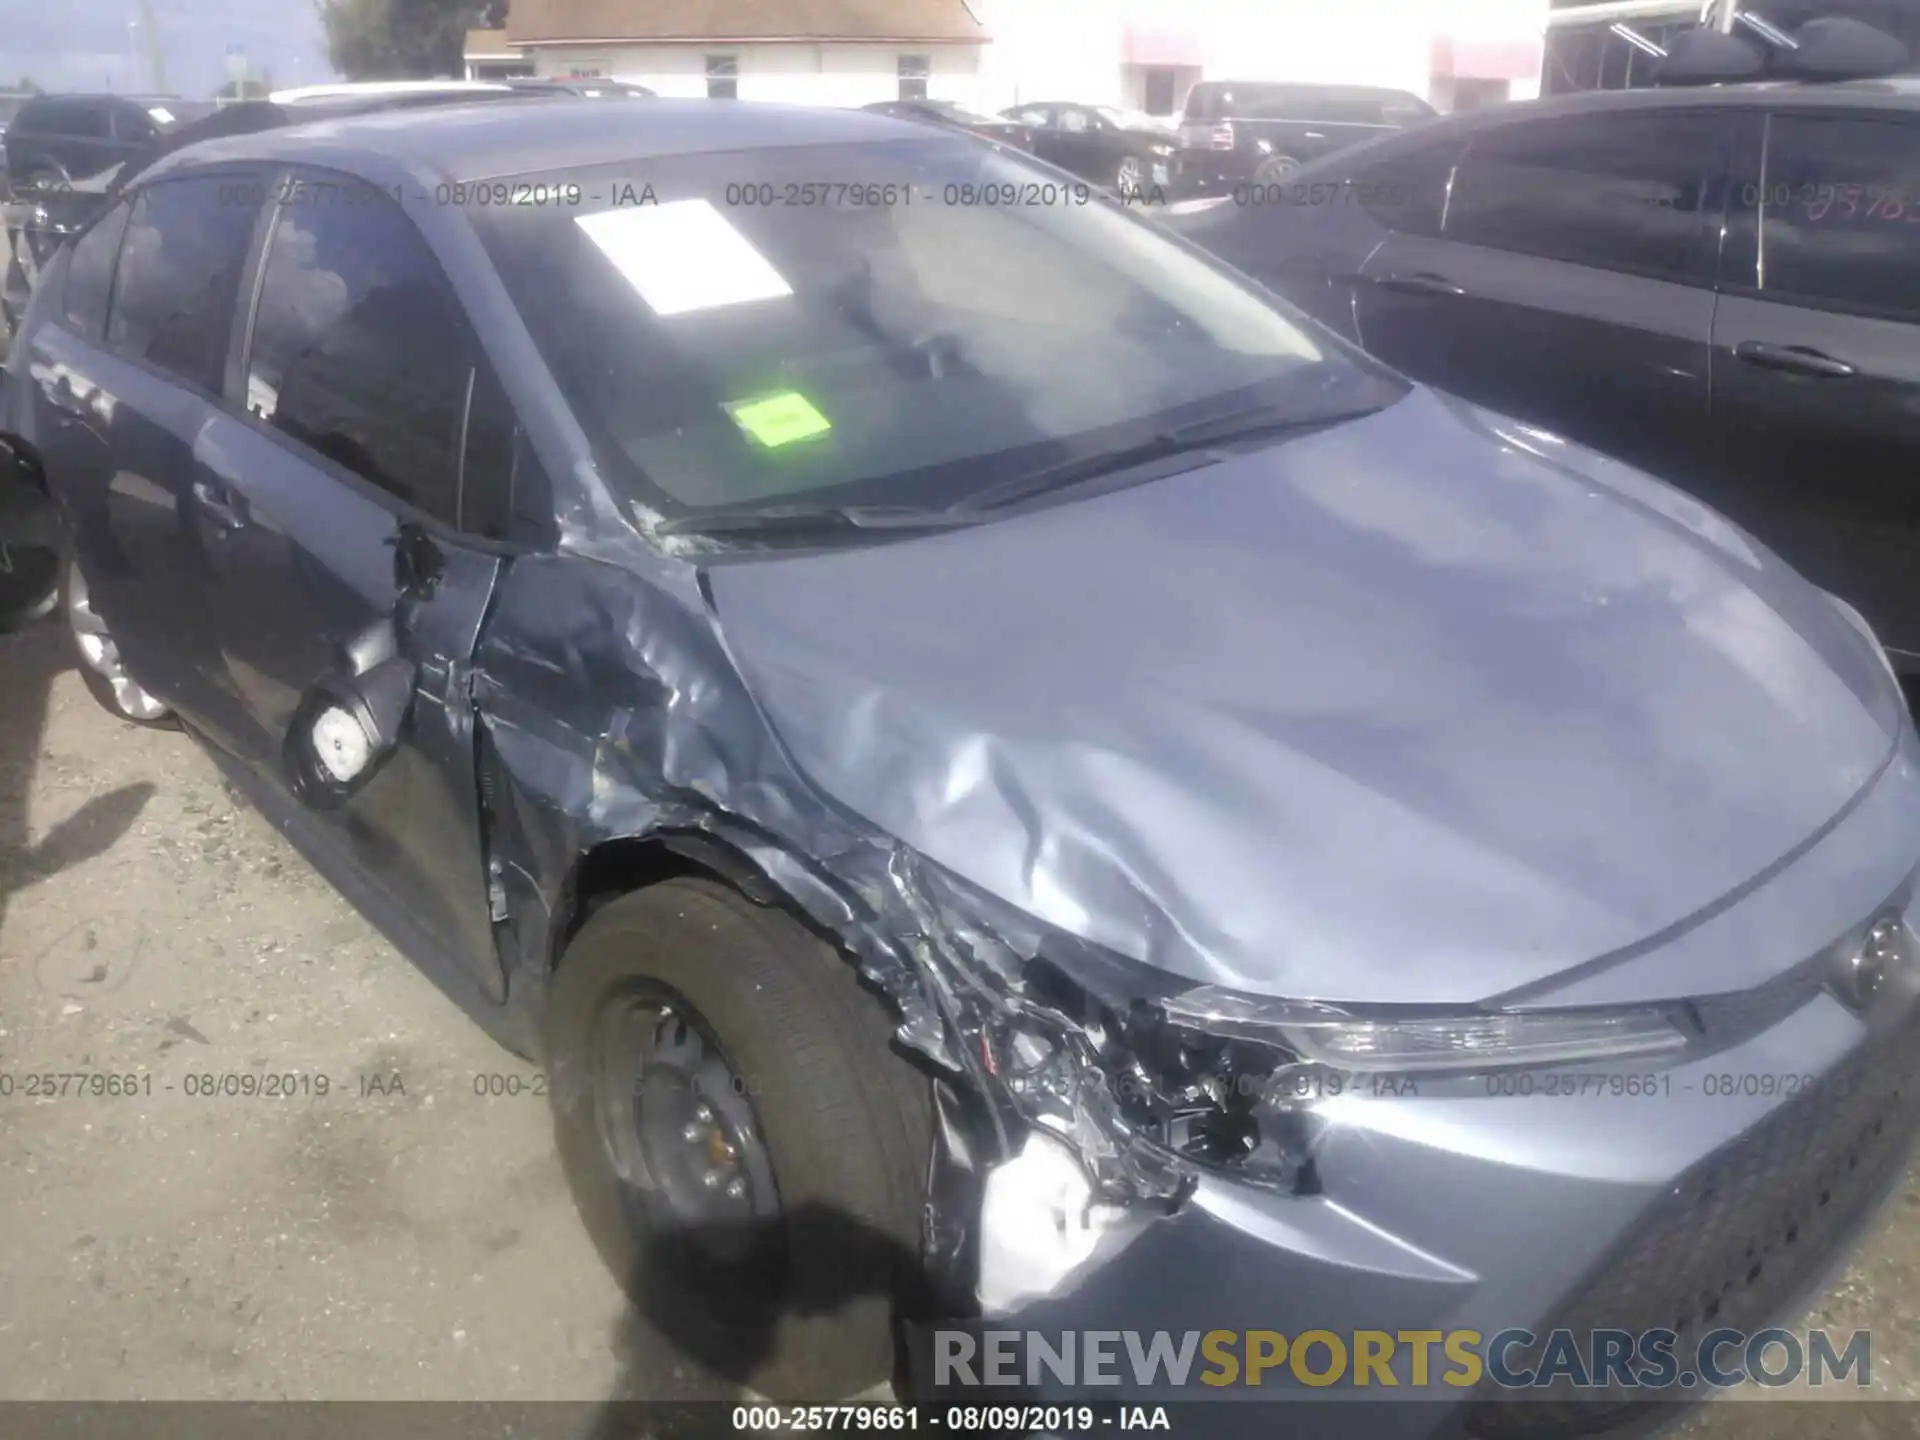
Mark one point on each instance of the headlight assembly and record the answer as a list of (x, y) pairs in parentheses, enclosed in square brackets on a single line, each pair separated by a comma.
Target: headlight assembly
[(1431, 1043), (1233, 1082)]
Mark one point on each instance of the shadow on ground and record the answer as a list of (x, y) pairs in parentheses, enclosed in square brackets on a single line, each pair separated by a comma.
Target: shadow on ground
[(29, 662)]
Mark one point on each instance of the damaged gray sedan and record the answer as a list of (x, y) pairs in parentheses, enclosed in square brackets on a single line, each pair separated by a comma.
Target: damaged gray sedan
[(998, 768)]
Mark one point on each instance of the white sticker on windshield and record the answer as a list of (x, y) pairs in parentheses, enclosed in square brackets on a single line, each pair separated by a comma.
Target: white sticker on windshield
[(161, 114), (683, 256)]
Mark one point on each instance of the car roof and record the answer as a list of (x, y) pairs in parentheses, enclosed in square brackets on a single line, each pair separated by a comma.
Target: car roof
[(485, 141)]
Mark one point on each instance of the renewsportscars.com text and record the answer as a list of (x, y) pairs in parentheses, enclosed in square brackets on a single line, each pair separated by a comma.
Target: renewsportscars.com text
[(1515, 1359)]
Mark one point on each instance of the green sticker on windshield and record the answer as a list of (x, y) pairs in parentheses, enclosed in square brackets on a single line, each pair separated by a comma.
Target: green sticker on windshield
[(779, 419)]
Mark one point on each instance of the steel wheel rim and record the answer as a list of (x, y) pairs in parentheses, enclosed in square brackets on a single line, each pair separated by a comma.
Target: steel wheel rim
[(100, 655), (1130, 175), (677, 1125)]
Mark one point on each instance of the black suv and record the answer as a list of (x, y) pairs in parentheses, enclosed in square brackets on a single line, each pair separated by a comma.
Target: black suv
[(1719, 285), (56, 139), (1234, 132)]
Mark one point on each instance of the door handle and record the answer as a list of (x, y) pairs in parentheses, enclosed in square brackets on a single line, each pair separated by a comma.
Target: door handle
[(226, 509), (1794, 359), (65, 399), (1421, 284)]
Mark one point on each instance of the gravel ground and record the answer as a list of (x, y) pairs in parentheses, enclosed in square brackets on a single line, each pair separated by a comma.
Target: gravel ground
[(398, 1238)]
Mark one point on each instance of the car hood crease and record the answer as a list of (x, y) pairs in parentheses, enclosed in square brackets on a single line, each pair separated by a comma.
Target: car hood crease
[(1416, 709)]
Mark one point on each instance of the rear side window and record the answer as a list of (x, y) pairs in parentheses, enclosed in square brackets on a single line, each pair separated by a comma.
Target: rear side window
[(362, 353), (179, 276), (1618, 192), (79, 118), (90, 272), (1840, 212)]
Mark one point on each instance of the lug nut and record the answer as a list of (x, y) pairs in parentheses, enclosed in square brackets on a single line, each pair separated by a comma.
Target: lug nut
[(703, 1114), (712, 1179), (736, 1189), (693, 1133)]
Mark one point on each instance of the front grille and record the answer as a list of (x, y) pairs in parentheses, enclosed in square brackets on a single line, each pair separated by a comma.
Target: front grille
[(1746, 1232)]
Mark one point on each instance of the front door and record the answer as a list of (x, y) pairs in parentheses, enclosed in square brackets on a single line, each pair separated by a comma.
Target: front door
[(342, 478)]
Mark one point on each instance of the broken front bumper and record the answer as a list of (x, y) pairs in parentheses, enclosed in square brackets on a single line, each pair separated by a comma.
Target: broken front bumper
[(1691, 1205)]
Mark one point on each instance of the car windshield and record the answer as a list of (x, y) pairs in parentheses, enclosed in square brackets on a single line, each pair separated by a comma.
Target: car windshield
[(1325, 104), (1130, 119), (899, 329), (958, 114), (167, 112)]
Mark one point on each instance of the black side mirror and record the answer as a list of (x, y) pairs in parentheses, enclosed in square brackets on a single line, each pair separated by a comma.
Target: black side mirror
[(350, 723)]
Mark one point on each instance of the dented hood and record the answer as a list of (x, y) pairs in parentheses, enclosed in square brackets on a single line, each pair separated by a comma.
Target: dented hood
[(1419, 709)]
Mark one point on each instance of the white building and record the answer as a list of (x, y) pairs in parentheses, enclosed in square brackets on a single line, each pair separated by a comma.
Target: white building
[(990, 54)]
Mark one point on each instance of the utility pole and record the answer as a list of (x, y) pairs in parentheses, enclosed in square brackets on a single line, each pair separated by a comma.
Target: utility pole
[(155, 64), (1723, 13)]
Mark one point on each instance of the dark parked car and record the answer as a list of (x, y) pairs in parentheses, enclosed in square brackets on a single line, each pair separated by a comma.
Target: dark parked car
[(1126, 152), (955, 117), (56, 139), (1721, 286), (1235, 132), (983, 753)]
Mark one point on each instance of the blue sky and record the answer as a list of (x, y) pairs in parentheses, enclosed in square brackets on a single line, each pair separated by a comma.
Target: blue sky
[(92, 44)]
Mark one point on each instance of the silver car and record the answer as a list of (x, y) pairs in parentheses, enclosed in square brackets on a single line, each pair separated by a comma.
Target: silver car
[(997, 766)]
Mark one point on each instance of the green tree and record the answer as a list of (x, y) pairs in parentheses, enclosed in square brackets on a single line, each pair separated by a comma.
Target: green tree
[(403, 39), (244, 90)]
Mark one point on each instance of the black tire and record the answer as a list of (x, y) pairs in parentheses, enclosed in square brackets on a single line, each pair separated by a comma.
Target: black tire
[(29, 585), (97, 684), (808, 1312), (1274, 168)]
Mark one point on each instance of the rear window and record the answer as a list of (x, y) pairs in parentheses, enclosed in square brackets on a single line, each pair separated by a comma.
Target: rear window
[(925, 325), (1323, 105)]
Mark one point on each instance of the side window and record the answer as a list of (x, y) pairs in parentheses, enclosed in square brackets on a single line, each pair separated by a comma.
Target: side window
[(361, 351), (179, 276), (82, 119), (1840, 212), (503, 491), (1074, 122), (1618, 192), (1409, 192), (90, 272)]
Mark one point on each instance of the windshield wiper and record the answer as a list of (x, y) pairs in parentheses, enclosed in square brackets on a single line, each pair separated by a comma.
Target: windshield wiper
[(1189, 442), (802, 520), (1179, 440)]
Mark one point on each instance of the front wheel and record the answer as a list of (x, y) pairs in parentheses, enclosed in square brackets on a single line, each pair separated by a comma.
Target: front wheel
[(746, 1150), (1131, 177), (1275, 167)]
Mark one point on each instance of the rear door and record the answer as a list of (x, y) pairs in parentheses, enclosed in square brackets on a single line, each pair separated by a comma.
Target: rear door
[(1571, 280), (367, 436), (133, 400), (1816, 360)]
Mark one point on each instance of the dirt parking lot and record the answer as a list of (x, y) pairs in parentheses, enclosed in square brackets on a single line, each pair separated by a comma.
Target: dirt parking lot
[(398, 1237)]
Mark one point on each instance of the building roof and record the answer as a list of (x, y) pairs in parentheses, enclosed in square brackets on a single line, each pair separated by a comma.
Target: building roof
[(489, 45), (577, 22)]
